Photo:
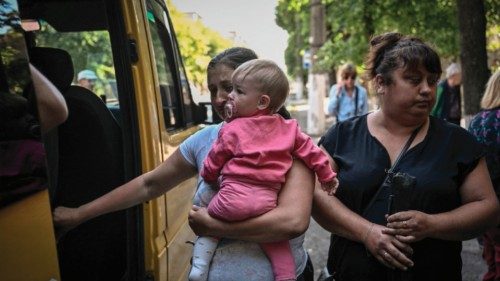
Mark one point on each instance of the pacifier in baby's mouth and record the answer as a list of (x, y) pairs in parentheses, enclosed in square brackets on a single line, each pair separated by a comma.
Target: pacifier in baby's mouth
[(229, 110)]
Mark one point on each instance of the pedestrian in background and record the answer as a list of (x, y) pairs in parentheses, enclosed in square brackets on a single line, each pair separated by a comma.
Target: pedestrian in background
[(485, 126), (86, 78), (448, 104), (346, 98)]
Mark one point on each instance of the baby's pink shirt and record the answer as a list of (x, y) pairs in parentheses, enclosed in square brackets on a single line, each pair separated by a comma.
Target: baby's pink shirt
[(261, 149)]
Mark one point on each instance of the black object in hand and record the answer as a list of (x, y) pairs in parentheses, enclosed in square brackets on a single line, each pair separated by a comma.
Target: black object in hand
[(402, 185)]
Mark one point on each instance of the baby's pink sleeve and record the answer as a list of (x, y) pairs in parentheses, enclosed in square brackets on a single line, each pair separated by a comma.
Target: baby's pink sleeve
[(313, 157), (217, 157)]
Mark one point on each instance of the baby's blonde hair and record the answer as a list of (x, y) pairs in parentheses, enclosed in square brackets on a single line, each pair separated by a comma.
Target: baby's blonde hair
[(491, 97), (268, 78)]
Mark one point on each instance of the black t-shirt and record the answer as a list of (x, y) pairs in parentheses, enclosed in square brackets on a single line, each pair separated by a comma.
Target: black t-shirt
[(440, 164)]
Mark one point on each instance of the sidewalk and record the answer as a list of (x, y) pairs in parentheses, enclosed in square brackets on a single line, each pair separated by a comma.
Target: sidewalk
[(298, 110)]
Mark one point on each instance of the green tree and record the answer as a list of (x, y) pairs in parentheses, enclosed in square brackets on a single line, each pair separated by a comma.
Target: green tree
[(88, 50), (350, 25), (290, 16), (474, 58), (198, 44), (12, 57)]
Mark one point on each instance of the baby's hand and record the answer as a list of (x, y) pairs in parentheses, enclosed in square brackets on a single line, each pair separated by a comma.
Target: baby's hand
[(331, 186)]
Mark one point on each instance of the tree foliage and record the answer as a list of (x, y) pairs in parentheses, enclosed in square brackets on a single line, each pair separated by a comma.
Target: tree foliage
[(197, 43), (291, 16), (90, 50), (12, 55), (351, 23)]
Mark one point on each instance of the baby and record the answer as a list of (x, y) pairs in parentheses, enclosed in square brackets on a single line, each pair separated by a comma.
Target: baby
[(253, 152)]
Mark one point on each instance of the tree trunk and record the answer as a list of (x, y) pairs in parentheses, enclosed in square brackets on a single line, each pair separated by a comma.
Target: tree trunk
[(368, 21), (317, 80), (475, 73)]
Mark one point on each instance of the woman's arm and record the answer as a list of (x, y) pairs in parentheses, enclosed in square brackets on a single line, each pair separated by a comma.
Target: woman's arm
[(50, 102), (479, 211), (288, 220), (143, 188), (335, 217)]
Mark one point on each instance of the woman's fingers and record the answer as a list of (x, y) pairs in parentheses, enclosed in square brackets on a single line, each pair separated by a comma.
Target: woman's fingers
[(400, 216), (411, 225), (401, 260), (405, 224), (64, 219), (393, 259), (397, 231), (387, 249), (407, 238), (403, 247), (380, 257)]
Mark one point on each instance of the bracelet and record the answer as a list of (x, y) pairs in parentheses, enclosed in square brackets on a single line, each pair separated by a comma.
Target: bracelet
[(368, 232)]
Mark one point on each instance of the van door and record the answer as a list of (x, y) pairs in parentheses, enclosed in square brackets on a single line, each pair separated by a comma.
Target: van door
[(134, 117), (178, 122), (166, 230)]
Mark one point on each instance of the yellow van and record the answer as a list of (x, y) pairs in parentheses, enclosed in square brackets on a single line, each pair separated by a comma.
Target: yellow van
[(140, 112)]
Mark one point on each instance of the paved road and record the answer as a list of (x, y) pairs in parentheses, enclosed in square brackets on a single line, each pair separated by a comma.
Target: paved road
[(317, 242)]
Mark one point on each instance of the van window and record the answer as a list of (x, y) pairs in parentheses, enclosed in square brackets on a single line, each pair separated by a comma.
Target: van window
[(186, 94), (165, 66), (89, 50), (178, 107)]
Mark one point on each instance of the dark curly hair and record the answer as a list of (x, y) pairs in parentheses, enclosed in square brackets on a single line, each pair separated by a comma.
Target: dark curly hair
[(393, 50)]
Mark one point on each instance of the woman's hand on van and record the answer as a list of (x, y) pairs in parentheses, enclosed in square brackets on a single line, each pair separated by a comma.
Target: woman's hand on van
[(65, 219)]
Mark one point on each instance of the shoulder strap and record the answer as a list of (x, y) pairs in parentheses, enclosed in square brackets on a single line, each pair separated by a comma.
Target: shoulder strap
[(380, 195), (339, 98), (356, 96), (405, 148)]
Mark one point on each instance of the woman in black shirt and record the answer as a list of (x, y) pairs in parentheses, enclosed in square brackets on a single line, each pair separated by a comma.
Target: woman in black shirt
[(451, 199)]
